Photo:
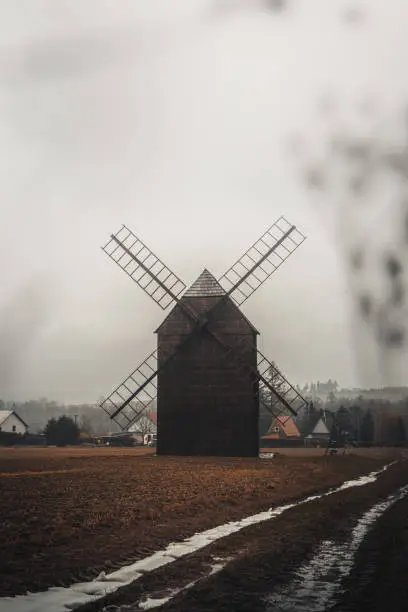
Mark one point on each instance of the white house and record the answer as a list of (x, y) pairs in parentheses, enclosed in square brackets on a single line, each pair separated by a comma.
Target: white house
[(320, 430), (10, 422)]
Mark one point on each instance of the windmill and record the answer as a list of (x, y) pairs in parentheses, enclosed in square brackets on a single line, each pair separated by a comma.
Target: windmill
[(206, 372)]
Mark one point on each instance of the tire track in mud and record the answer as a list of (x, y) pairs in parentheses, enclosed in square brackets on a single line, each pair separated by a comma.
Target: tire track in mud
[(317, 585), (378, 580), (265, 556)]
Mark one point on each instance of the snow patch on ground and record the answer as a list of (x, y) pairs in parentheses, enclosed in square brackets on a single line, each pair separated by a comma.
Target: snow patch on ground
[(61, 599)]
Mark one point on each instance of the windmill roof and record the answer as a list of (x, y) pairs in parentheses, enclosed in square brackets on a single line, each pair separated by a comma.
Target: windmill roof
[(205, 286)]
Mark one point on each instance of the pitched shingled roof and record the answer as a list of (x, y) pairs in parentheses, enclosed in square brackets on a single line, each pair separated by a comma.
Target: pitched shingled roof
[(205, 286), (286, 424)]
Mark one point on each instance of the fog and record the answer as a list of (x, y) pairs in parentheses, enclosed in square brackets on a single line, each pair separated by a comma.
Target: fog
[(196, 123)]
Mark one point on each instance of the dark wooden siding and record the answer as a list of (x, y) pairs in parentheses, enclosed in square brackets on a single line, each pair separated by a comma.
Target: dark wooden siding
[(206, 405)]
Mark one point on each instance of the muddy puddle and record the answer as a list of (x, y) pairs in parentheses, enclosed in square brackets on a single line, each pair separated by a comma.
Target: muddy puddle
[(317, 585)]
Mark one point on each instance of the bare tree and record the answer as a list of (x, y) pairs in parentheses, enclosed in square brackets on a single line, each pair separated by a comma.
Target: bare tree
[(144, 425), (277, 382)]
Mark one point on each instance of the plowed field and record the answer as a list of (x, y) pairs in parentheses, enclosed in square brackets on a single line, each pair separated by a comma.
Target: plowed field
[(67, 514)]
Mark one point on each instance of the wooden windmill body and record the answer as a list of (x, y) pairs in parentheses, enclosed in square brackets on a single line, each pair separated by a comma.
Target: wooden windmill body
[(206, 405), (207, 373)]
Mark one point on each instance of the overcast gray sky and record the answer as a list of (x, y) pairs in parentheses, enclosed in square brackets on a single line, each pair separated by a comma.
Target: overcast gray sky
[(189, 121)]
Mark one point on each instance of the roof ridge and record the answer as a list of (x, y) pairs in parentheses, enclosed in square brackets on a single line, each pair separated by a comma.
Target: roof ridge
[(206, 285)]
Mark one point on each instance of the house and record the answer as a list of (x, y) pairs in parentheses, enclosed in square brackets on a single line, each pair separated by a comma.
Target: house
[(317, 427), (320, 429), (10, 422), (282, 429)]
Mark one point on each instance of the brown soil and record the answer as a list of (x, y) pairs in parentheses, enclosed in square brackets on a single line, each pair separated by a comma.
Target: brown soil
[(276, 548), (265, 556), (122, 504)]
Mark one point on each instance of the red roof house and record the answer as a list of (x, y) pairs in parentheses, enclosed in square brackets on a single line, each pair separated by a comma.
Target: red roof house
[(282, 427)]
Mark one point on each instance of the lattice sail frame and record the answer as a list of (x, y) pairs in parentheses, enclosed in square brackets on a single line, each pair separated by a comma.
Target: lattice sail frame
[(283, 396), (144, 376), (149, 272), (257, 264), (282, 389)]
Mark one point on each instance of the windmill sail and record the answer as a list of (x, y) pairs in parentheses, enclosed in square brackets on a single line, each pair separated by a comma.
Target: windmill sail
[(147, 270), (264, 403), (121, 406), (282, 396), (239, 282), (261, 260)]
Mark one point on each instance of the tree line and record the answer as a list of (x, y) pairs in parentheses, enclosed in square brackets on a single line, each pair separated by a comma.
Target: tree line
[(377, 422), (370, 416)]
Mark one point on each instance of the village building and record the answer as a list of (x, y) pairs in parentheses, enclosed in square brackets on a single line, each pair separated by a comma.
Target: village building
[(10, 422), (317, 428), (283, 429)]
